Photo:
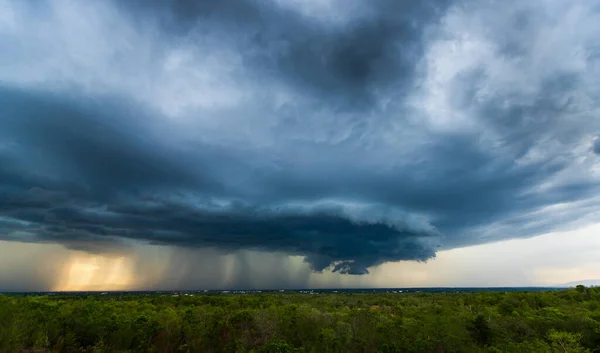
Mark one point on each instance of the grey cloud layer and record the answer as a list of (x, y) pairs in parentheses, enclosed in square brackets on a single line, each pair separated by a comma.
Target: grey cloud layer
[(356, 135)]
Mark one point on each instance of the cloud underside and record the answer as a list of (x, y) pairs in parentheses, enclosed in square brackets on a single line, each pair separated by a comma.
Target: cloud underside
[(381, 132)]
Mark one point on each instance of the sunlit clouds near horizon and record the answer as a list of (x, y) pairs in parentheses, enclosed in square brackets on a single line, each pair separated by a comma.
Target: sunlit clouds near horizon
[(283, 144), (541, 261)]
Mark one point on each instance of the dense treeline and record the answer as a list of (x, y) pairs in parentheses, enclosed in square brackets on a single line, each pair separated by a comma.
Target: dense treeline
[(553, 321)]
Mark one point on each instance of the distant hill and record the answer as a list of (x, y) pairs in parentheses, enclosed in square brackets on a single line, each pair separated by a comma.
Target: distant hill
[(587, 283)]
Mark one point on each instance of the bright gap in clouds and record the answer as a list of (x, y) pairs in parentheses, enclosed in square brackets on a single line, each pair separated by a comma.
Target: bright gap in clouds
[(547, 260), (85, 272)]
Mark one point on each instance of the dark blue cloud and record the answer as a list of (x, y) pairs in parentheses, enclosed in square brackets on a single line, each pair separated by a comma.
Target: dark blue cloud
[(379, 132), (596, 146)]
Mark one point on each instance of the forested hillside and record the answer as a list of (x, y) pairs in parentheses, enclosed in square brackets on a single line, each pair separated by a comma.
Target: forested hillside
[(551, 321)]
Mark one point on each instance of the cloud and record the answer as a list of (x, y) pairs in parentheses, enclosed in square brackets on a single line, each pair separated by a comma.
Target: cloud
[(596, 146), (51, 267), (381, 132)]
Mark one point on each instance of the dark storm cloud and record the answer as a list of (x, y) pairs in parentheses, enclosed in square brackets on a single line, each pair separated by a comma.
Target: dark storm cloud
[(96, 186), (596, 145), (379, 131), (376, 49)]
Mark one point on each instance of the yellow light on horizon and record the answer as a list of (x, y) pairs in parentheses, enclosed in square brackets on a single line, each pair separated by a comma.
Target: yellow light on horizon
[(85, 272)]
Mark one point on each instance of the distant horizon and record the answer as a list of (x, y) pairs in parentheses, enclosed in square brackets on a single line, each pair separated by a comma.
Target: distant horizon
[(348, 289)]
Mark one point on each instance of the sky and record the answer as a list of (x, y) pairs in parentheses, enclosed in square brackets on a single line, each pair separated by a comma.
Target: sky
[(173, 144)]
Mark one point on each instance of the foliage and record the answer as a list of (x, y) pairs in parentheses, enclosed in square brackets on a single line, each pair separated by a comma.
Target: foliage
[(550, 321)]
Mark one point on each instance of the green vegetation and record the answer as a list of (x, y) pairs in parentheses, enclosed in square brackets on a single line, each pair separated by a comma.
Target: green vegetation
[(549, 321)]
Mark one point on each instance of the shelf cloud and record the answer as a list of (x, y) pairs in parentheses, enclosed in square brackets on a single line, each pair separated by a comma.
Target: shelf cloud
[(352, 133)]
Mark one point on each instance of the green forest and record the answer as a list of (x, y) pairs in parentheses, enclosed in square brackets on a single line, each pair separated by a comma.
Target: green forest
[(542, 321)]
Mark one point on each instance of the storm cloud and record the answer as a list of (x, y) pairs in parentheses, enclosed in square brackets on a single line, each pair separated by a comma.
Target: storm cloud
[(352, 133)]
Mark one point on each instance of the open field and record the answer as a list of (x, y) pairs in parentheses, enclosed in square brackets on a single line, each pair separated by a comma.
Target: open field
[(484, 321)]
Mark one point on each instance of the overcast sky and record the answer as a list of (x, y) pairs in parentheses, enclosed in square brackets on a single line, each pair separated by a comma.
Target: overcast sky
[(294, 143)]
